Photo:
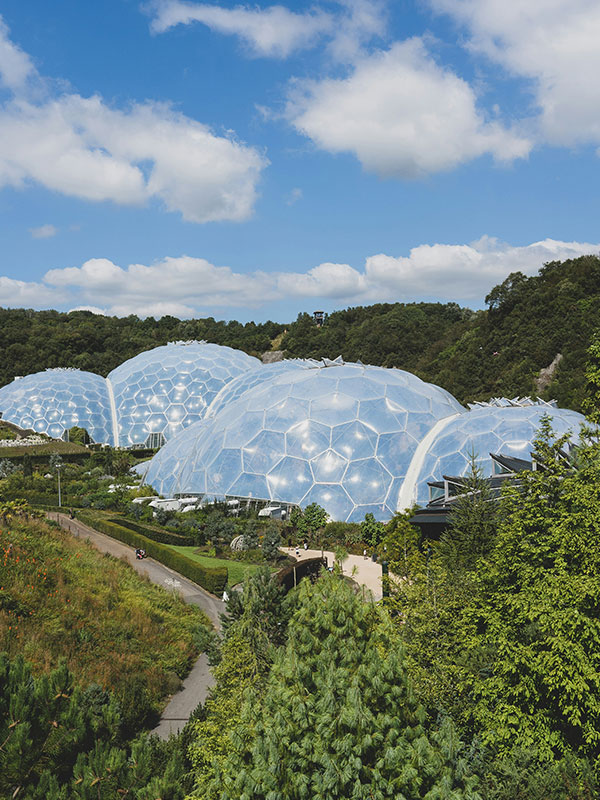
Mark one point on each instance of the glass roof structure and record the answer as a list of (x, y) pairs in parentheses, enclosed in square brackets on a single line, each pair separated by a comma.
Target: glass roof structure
[(168, 388), (507, 430), (248, 380), (55, 400), (342, 436)]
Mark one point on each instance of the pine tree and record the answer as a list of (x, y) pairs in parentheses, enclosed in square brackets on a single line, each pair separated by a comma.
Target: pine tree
[(473, 524), (338, 719), (271, 542)]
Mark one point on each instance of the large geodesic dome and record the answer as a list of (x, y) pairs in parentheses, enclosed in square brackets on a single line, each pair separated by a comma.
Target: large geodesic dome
[(168, 388), (53, 401), (342, 436), (508, 430), (250, 379)]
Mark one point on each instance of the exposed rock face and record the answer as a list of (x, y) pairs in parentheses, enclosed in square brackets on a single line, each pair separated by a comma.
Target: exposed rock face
[(271, 356), (543, 379)]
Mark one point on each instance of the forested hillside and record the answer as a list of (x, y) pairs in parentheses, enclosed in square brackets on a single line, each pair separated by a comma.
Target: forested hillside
[(474, 355)]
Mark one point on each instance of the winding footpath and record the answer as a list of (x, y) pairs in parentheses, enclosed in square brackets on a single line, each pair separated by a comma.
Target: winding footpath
[(196, 686)]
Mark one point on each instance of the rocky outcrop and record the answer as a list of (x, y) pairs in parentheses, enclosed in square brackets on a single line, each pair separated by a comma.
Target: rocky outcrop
[(272, 356), (544, 379)]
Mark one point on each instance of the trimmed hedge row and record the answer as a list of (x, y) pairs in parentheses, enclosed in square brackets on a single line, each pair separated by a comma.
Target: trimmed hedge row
[(213, 579), (164, 537), (36, 499)]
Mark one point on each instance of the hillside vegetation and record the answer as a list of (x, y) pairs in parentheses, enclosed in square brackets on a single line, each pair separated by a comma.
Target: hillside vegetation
[(501, 350), (59, 598)]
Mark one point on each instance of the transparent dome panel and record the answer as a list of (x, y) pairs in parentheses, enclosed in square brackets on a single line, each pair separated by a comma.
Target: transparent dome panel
[(176, 379), (53, 401)]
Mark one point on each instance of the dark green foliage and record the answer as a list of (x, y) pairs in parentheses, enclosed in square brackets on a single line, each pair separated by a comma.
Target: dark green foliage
[(271, 542), (250, 535), (219, 528), (261, 611), (211, 578), (27, 465), (371, 531), (474, 355), (338, 719), (473, 524), (151, 532), (31, 341), (62, 743)]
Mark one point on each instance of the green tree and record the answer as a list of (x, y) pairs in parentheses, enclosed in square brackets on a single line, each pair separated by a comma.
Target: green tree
[(27, 466), (591, 404), (371, 531), (271, 542), (250, 534), (473, 523), (338, 718)]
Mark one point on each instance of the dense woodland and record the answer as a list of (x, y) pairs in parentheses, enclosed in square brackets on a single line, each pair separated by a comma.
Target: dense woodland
[(475, 355)]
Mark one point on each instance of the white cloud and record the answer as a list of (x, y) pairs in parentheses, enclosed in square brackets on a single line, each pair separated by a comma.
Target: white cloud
[(43, 232), (15, 65), (27, 294), (464, 273), (325, 280), (83, 148), (187, 287), (177, 286), (552, 42), (274, 31), (294, 196), (277, 32), (401, 115)]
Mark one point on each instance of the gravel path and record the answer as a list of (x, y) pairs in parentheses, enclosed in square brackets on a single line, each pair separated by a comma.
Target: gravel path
[(196, 686)]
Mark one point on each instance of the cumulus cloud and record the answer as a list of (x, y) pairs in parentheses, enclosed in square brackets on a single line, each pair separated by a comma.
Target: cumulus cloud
[(15, 65), (277, 32), (187, 287), (177, 286), (401, 115), (554, 43), (82, 147), (464, 272), (28, 294), (43, 232), (274, 31)]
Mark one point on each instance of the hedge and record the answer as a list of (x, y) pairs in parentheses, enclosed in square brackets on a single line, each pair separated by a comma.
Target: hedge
[(165, 537), (37, 499), (213, 579)]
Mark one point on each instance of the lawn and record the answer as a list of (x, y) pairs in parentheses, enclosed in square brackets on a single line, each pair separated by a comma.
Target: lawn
[(236, 570)]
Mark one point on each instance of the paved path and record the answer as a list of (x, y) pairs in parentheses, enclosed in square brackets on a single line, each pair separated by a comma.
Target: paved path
[(362, 570), (197, 684)]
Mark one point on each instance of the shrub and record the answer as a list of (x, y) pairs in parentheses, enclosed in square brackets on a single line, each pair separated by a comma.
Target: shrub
[(164, 537), (213, 579)]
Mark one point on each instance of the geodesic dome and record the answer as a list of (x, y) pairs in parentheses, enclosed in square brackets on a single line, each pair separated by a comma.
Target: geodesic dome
[(507, 430), (168, 388), (342, 436), (53, 401), (248, 380)]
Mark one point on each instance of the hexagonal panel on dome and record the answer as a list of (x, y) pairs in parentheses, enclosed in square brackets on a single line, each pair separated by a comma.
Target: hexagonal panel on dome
[(248, 380), (332, 420), (53, 401), (508, 430), (177, 379)]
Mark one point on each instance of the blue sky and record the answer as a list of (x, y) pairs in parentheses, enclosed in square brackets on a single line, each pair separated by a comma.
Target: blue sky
[(254, 161)]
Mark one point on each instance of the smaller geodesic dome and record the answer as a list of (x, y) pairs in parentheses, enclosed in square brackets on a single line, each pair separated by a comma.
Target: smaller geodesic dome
[(53, 401), (168, 388), (341, 435), (504, 429)]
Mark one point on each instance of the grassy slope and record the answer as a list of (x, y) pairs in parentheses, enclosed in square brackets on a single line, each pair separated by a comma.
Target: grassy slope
[(60, 598), (236, 570)]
